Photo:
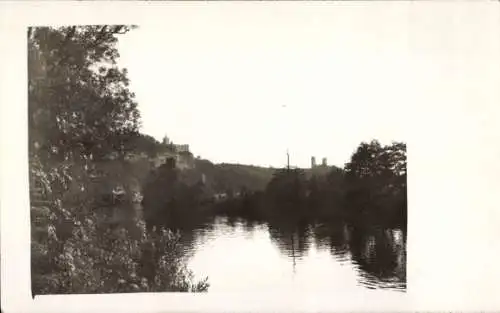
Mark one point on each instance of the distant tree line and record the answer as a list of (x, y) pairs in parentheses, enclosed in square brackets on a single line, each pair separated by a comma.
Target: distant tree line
[(170, 202), (370, 189), (179, 199)]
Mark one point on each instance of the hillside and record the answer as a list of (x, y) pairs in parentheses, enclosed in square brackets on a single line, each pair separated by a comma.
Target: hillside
[(219, 177), (232, 177), (224, 177)]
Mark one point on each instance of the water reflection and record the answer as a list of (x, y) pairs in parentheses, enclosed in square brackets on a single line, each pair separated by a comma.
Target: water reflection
[(334, 238), (381, 257), (293, 242), (240, 255), (379, 254)]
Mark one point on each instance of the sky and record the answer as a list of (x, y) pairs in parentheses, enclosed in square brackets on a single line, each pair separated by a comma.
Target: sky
[(245, 88)]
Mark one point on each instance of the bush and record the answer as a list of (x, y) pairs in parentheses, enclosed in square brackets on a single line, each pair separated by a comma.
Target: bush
[(76, 252)]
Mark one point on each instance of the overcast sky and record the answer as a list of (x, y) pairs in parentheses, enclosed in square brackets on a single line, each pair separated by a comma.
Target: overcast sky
[(244, 88)]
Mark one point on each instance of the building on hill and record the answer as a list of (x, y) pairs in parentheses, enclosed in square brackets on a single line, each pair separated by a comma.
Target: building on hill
[(181, 148), (163, 158), (323, 163), (174, 147), (320, 169), (166, 140), (180, 153)]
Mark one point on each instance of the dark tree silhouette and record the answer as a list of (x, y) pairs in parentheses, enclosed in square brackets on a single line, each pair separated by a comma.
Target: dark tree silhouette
[(376, 182)]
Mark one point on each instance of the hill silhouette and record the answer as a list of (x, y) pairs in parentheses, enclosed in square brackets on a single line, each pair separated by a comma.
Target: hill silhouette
[(232, 177)]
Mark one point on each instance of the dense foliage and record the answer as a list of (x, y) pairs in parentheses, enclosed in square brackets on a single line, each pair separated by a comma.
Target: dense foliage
[(170, 202), (371, 189), (376, 182), (81, 113)]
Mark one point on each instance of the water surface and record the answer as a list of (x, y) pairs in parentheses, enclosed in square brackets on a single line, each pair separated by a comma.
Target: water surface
[(241, 256)]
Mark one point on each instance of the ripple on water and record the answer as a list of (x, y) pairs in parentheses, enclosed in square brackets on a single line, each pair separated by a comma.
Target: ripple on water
[(337, 259)]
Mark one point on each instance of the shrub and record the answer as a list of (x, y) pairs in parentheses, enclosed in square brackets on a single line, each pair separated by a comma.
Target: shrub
[(75, 251)]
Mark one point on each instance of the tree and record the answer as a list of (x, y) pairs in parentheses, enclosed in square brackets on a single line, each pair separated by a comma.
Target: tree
[(360, 175), (80, 111), (79, 101), (376, 180), (398, 163), (80, 107), (287, 192), (145, 143), (364, 161)]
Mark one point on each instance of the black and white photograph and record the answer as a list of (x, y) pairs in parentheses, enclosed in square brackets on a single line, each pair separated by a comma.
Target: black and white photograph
[(132, 190), (248, 152)]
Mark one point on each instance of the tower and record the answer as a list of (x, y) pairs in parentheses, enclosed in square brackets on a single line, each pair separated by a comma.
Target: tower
[(313, 162), (324, 162), (166, 140)]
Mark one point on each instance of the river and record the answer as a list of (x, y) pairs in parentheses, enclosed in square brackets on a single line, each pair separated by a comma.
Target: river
[(243, 256)]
